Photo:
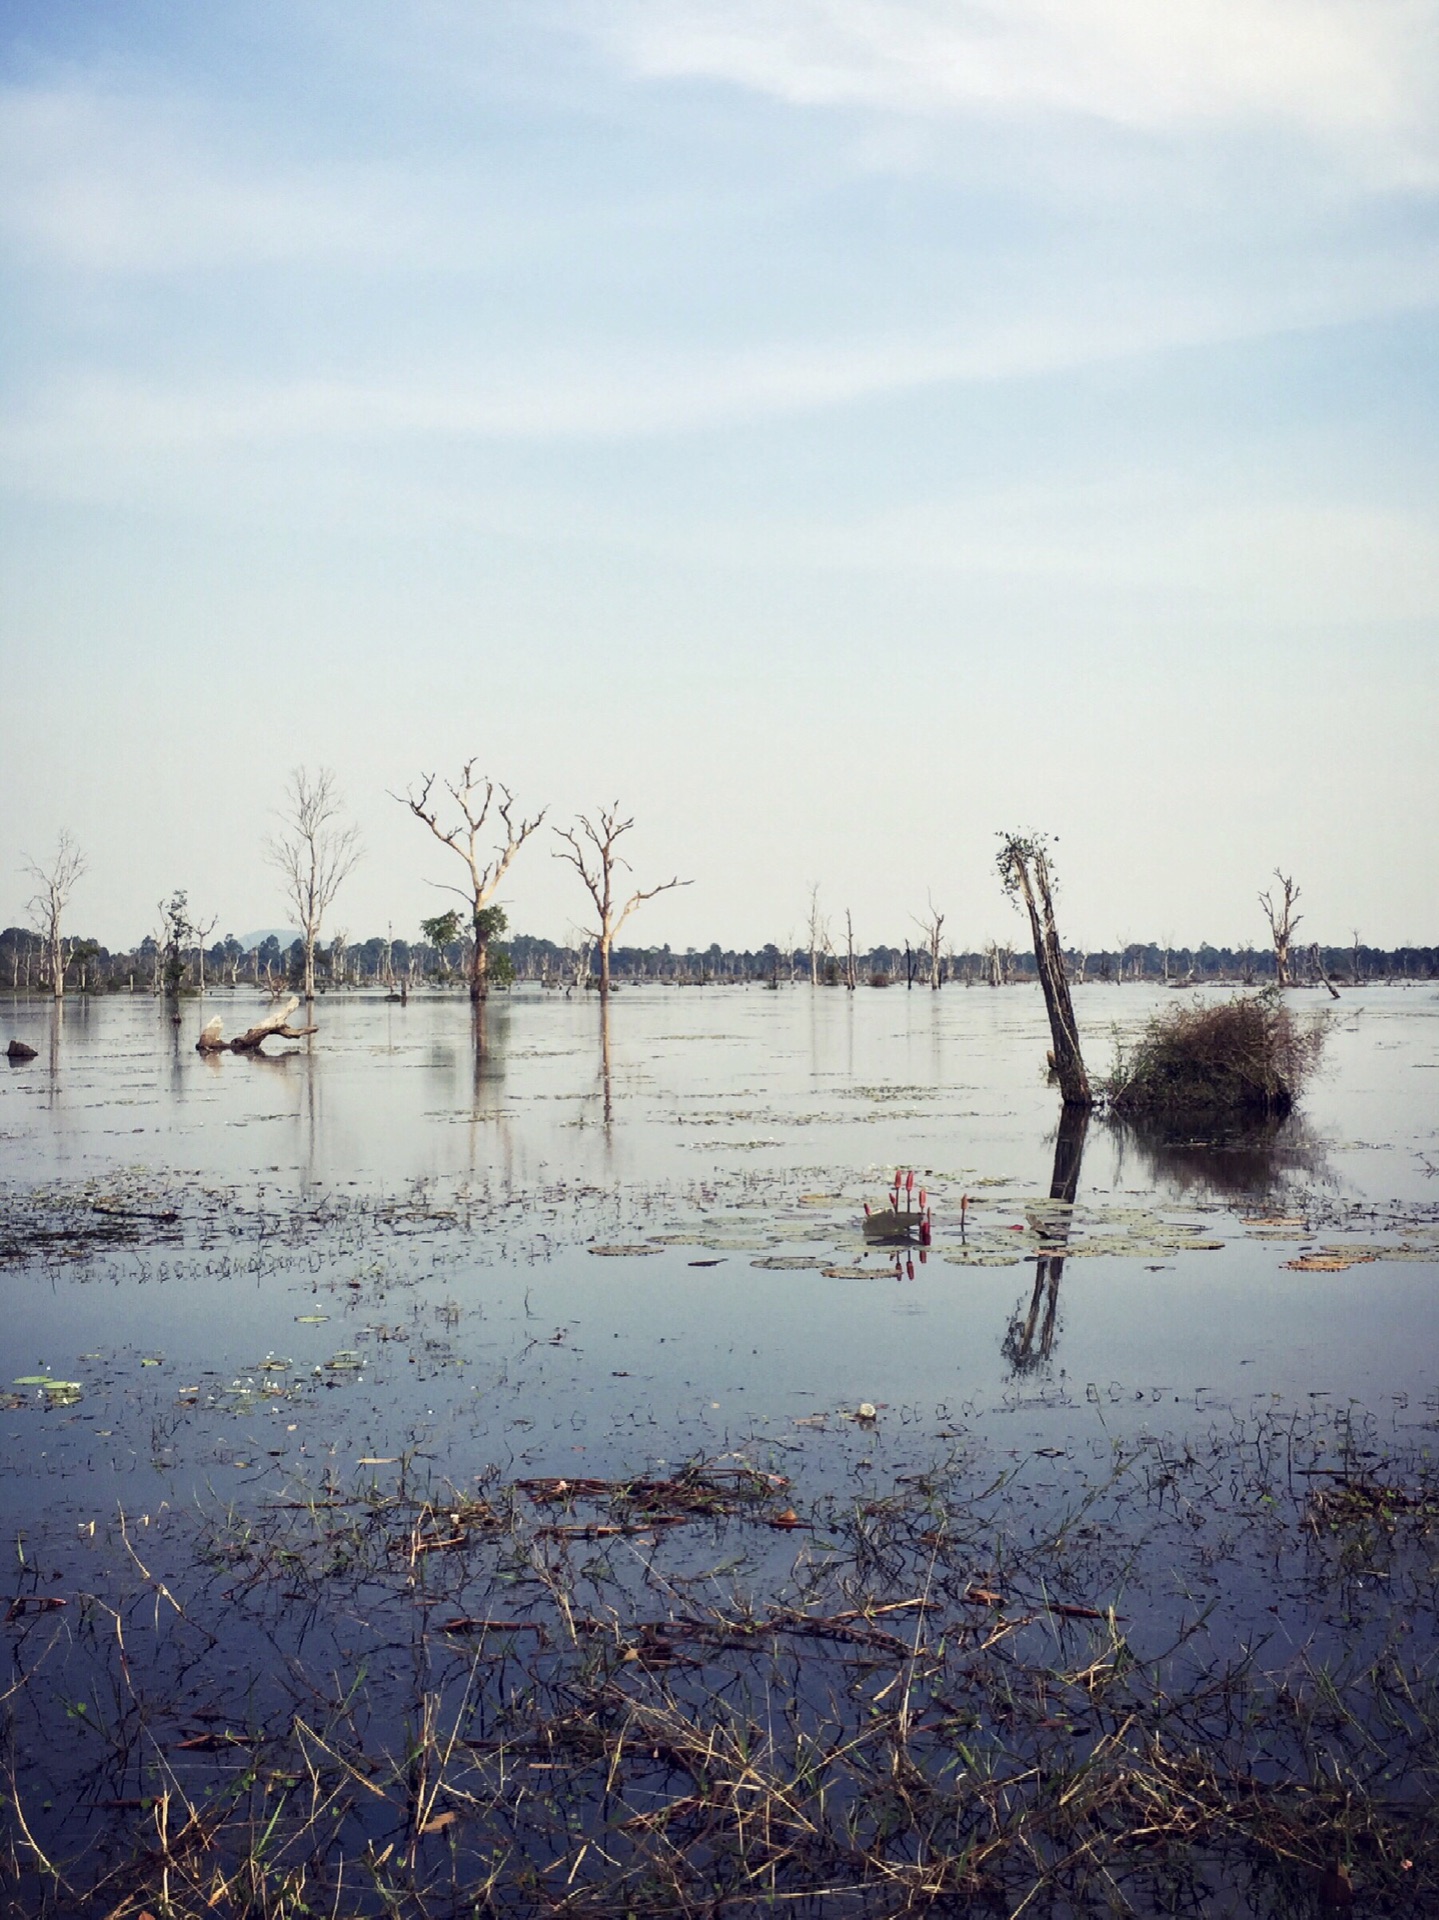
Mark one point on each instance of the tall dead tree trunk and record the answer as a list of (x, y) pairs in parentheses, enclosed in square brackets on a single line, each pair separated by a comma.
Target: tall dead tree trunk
[(1025, 870), (818, 936), (202, 934), (1282, 921), (931, 928)]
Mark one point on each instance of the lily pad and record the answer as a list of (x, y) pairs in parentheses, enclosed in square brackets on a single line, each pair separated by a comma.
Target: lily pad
[(60, 1393), (1327, 1262)]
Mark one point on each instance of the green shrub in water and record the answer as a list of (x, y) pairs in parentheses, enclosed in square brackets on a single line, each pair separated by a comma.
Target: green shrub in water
[(1245, 1059)]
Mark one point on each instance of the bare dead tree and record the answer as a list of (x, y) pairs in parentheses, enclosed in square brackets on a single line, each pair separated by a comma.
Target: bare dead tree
[(202, 934), (590, 850), (55, 881), (1025, 870), (818, 935), (1282, 921), (476, 797), (1357, 975), (930, 928), (849, 973), (314, 852)]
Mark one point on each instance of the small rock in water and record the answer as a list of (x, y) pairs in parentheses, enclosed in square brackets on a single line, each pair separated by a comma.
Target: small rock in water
[(17, 1050), (866, 1411)]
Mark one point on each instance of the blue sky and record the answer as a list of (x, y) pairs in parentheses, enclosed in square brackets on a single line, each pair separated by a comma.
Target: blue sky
[(837, 430)]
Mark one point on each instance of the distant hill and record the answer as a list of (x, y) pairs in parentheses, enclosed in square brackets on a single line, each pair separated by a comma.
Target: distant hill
[(287, 936)]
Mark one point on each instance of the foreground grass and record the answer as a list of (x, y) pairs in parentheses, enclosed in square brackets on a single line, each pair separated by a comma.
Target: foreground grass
[(1200, 1681)]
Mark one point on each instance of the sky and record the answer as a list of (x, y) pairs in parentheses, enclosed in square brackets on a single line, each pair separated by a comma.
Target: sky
[(835, 430)]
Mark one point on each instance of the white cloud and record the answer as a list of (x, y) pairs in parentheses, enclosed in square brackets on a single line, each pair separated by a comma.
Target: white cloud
[(1353, 70)]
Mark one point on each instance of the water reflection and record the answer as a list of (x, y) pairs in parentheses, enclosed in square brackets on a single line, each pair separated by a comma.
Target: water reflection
[(1029, 1341), (609, 1107), (1252, 1163)]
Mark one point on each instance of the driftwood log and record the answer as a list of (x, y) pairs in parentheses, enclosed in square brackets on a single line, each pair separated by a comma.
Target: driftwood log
[(274, 1026)]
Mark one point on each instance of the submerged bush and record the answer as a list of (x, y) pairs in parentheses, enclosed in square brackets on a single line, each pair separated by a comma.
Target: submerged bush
[(1245, 1059)]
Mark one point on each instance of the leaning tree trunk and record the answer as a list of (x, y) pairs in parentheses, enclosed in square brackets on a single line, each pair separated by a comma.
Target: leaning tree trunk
[(1069, 1066)]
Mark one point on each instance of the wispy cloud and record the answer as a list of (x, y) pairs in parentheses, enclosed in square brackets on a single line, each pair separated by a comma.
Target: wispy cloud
[(1357, 71), (108, 181), (93, 433)]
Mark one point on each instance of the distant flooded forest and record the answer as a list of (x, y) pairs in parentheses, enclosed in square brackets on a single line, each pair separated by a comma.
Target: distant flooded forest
[(382, 961)]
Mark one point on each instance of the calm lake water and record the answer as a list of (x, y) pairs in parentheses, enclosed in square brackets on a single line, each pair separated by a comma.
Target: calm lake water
[(391, 1194), (275, 1328)]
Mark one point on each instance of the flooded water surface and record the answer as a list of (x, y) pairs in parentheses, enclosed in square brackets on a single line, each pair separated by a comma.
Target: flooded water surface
[(411, 1260), (744, 1130)]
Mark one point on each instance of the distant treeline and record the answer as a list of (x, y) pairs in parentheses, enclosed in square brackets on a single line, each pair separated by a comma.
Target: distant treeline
[(401, 966)]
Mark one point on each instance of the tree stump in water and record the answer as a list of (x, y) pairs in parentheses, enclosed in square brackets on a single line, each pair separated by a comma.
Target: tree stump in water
[(275, 1025)]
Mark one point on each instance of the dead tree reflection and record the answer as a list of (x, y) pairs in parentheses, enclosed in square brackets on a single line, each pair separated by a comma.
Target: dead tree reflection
[(1029, 1341), (609, 1109)]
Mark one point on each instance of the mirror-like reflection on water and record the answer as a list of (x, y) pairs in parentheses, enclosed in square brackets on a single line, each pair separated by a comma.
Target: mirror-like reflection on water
[(743, 1129)]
